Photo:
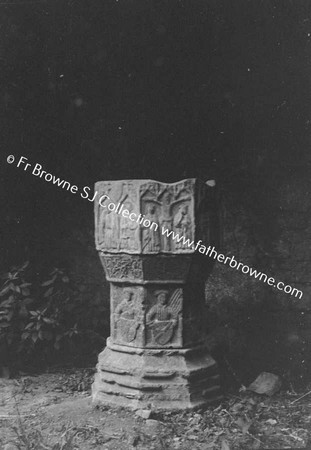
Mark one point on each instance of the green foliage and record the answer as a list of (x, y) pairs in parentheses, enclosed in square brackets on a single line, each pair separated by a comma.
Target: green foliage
[(45, 321)]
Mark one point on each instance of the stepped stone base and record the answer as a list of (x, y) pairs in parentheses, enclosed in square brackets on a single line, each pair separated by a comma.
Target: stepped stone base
[(160, 379)]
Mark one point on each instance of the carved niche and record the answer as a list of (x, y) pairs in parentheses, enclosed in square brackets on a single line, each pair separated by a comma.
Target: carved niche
[(155, 324), (160, 210), (171, 208), (127, 316), (115, 232), (163, 318)]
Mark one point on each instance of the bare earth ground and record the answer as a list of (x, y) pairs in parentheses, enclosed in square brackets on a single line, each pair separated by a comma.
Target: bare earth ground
[(53, 411)]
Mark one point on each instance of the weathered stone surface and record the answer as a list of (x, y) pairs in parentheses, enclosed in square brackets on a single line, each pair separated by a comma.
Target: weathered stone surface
[(143, 413), (266, 383), (153, 425), (160, 379), (124, 208), (156, 355)]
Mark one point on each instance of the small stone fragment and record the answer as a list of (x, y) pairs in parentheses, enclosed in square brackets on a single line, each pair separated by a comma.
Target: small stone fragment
[(143, 413), (271, 421), (152, 424), (266, 383)]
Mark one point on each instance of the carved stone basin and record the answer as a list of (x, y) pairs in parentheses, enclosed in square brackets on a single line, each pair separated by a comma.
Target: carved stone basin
[(156, 354)]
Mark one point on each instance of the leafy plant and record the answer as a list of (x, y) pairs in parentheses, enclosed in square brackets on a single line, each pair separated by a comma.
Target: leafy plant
[(14, 309), (45, 321)]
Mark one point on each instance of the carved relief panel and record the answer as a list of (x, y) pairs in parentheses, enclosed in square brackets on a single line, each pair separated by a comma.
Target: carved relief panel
[(115, 232), (122, 267), (128, 315), (163, 318), (165, 218), (170, 206)]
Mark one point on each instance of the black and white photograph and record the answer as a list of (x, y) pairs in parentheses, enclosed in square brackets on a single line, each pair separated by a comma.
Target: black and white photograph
[(155, 224)]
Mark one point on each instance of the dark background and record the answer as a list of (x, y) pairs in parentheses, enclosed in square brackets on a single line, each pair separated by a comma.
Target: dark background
[(99, 90)]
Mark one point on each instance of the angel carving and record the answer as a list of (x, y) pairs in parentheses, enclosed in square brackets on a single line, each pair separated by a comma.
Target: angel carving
[(162, 318)]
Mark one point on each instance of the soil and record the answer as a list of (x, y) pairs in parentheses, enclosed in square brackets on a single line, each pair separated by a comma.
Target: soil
[(54, 411)]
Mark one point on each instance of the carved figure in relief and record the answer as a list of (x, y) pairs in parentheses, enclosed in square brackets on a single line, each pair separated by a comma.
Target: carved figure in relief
[(127, 231), (109, 230), (166, 200), (166, 221), (182, 225), (127, 317), (150, 235), (163, 317)]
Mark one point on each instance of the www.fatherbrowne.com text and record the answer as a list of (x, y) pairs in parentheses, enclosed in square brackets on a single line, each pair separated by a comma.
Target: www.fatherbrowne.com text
[(140, 218), (233, 263), (198, 246)]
